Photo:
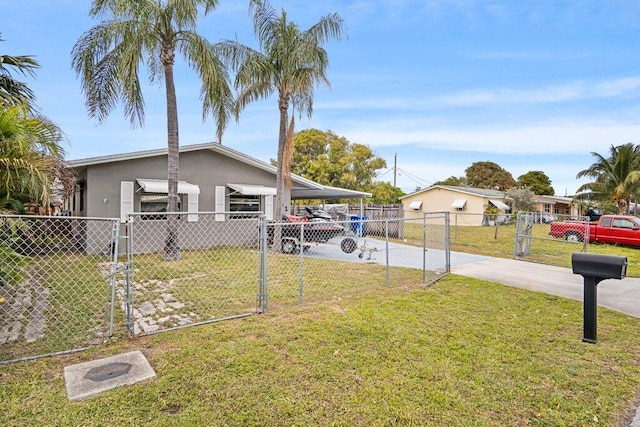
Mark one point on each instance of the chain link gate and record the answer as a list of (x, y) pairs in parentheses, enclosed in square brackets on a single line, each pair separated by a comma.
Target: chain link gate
[(326, 262), (533, 241), (189, 269), (57, 278)]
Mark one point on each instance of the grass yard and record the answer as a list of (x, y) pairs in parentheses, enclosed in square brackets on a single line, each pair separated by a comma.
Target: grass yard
[(462, 352), (203, 285), (64, 298)]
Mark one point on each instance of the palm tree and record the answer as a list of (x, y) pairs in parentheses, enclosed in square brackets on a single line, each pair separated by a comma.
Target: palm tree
[(291, 62), (616, 178), (31, 158), (150, 32), (12, 91)]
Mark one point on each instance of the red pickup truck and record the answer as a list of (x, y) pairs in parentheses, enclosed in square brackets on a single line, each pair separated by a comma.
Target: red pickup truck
[(616, 229)]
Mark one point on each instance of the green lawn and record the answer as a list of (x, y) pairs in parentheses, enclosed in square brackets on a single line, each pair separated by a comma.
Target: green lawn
[(462, 352)]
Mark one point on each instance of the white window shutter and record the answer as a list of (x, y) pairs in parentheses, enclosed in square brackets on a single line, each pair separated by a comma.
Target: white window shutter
[(192, 206), (220, 204), (268, 207), (126, 199)]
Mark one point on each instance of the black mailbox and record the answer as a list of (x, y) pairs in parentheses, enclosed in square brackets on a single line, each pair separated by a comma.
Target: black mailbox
[(600, 266), (595, 268)]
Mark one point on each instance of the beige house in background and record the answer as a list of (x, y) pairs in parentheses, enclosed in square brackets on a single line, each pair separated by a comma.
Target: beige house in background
[(556, 205), (466, 205)]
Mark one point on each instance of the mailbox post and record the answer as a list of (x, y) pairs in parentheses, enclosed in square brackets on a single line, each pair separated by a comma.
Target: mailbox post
[(595, 268)]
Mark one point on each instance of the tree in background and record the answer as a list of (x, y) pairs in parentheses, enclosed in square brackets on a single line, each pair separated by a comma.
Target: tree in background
[(329, 159), (151, 32), (521, 199), (385, 193), (12, 91), (31, 163), (536, 181), (456, 181), (616, 178), (489, 175), (291, 63), (31, 158)]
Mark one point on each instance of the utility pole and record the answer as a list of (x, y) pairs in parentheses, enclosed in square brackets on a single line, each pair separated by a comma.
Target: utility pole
[(395, 169)]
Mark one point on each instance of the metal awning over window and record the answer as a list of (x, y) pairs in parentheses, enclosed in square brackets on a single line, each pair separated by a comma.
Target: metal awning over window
[(498, 204), (416, 205), (252, 190), (459, 203), (161, 186)]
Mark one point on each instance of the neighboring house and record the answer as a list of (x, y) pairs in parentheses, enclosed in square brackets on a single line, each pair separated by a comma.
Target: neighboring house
[(555, 205), (213, 178), (457, 200)]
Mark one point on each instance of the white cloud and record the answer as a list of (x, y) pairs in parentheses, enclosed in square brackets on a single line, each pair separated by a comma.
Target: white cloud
[(574, 91), (525, 139)]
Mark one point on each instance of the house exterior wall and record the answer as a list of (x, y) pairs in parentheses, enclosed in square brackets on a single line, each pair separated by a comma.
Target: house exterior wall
[(204, 168), (112, 190), (440, 200), (555, 205)]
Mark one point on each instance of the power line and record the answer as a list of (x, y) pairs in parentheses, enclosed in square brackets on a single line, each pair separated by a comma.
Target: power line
[(416, 179)]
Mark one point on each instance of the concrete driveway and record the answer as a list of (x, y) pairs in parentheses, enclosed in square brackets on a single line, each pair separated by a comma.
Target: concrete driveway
[(620, 295), (376, 251)]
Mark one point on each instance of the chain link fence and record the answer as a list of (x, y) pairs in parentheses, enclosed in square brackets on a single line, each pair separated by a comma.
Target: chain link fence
[(322, 261), (550, 238), (190, 269), (69, 283), (56, 283)]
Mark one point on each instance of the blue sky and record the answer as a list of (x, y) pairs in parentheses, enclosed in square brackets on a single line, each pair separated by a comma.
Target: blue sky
[(529, 85)]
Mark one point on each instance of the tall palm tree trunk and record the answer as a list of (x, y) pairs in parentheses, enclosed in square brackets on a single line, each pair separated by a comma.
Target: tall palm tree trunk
[(283, 196), (171, 246)]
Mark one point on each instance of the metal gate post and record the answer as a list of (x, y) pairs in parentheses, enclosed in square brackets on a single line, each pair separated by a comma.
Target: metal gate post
[(115, 235), (424, 248), (524, 236), (386, 234), (301, 266), (263, 296), (447, 242), (517, 236), (128, 296)]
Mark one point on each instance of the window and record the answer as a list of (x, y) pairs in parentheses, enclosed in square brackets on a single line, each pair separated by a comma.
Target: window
[(78, 199), (459, 204), (243, 203), (415, 205), (155, 203), (623, 223), (153, 199)]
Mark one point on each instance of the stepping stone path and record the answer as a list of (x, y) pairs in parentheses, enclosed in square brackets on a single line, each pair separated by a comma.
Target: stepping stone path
[(162, 312), (154, 306), (23, 312)]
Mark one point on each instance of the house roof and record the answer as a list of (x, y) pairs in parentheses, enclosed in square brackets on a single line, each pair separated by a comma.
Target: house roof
[(302, 188), (482, 192), (552, 199)]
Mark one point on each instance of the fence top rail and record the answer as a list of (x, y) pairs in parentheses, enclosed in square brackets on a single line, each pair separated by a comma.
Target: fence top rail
[(257, 214), (65, 217)]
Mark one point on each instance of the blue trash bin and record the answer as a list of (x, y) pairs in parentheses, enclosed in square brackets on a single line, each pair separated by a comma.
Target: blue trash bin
[(358, 225)]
